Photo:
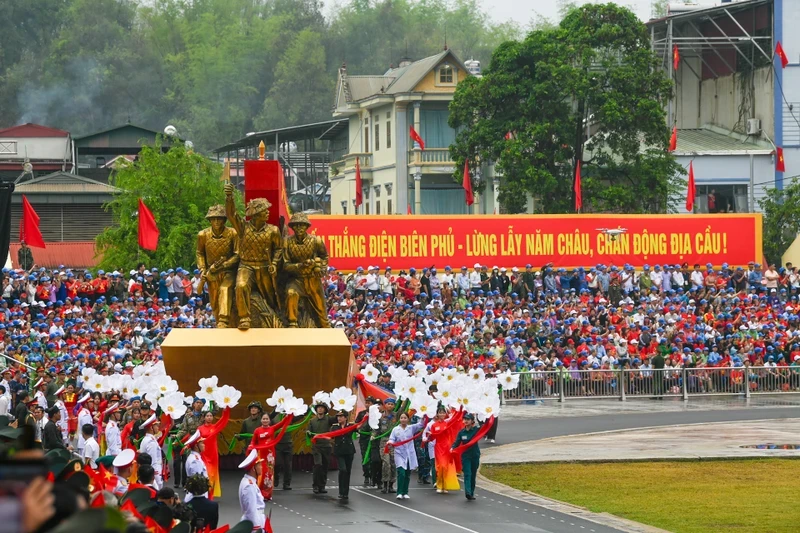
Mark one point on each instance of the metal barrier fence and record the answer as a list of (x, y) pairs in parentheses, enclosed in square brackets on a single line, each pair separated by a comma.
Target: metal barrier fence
[(627, 383)]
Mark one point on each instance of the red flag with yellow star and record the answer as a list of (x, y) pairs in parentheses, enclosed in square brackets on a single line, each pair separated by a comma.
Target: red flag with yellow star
[(780, 165)]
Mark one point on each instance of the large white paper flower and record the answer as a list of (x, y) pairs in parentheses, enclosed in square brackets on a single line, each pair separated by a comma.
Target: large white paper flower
[(227, 396), (321, 397), (424, 405), (95, 383), (88, 372), (420, 369), (125, 387), (449, 374), (434, 378), (279, 397), (163, 385), (173, 404), (343, 399), (410, 387), (145, 370), (374, 416), (137, 388), (396, 372), (487, 409), (446, 394), (295, 406), (208, 387), (158, 369), (370, 373), (508, 380), (477, 374)]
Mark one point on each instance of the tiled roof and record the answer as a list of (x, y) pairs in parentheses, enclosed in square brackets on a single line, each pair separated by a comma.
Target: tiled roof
[(32, 130), (69, 254)]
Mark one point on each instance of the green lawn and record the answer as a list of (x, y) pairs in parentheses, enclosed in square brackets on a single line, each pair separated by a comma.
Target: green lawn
[(748, 495)]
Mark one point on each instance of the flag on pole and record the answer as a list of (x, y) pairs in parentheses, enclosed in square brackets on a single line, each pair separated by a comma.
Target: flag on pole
[(780, 164), (29, 231), (673, 139), (415, 136), (469, 197), (226, 172), (690, 192), (148, 230), (578, 198), (781, 54), (676, 58), (359, 186)]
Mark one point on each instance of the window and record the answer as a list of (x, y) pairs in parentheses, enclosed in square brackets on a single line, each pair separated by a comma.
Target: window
[(388, 134), (721, 199), (377, 207), (389, 206), (8, 147), (366, 139), (446, 74), (377, 137), (366, 208)]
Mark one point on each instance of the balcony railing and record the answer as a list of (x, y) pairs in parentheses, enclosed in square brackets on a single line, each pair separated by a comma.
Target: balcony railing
[(348, 163), (430, 156)]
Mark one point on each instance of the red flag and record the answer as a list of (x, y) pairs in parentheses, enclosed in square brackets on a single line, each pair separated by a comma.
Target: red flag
[(268, 519), (415, 136), (690, 192), (148, 230), (509, 136), (780, 164), (467, 184), (673, 139), (781, 54), (359, 186), (29, 231), (676, 58), (408, 210), (578, 198)]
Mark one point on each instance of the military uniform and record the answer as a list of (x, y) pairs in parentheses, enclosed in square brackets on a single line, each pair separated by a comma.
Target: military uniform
[(220, 251), (321, 450), (284, 452), (189, 425), (470, 459), (251, 502), (344, 450), (363, 444), (388, 469)]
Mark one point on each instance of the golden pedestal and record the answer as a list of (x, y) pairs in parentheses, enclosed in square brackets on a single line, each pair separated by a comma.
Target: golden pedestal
[(258, 361)]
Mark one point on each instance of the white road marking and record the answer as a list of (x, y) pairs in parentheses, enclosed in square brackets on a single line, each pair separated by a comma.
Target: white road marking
[(418, 512)]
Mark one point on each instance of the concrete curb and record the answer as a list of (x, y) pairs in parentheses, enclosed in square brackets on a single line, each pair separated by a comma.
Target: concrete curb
[(604, 519)]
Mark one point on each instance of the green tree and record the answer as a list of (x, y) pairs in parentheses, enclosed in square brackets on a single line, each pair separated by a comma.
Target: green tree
[(178, 187), (531, 111), (303, 90), (781, 208)]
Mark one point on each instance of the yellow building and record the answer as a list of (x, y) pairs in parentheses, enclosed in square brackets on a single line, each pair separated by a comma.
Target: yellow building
[(396, 174)]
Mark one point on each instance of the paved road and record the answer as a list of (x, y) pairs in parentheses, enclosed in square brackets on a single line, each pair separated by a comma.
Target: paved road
[(428, 512)]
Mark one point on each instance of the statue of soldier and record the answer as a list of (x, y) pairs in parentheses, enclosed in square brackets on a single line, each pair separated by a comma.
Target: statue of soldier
[(306, 261), (260, 252), (217, 257)]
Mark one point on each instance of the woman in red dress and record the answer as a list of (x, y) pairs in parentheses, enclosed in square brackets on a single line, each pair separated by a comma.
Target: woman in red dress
[(209, 431), (264, 441)]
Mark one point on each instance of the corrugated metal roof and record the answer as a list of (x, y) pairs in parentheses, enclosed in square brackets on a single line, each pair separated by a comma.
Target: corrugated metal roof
[(30, 130), (365, 86), (715, 140), (69, 254), (65, 188)]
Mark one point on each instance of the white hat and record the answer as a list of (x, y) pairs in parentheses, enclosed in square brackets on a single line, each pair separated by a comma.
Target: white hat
[(249, 461), (477, 265), (84, 398), (41, 380), (124, 458), (149, 422), (194, 439), (60, 390)]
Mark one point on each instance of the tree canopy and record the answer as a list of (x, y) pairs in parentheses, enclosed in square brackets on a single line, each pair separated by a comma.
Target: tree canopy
[(781, 209), (178, 187), (588, 90), (216, 69)]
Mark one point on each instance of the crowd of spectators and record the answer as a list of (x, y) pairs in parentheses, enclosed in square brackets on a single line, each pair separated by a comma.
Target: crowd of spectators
[(524, 319)]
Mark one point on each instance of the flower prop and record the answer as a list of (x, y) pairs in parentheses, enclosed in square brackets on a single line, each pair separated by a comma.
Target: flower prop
[(163, 385), (227, 396), (321, 397), (95, 383), (477, 374), (279, 398), (374, 416), (173, 405), (408, 387), (424, 405), (295, 407), (508, 380), (342, 399), (370, 373), (208, 387)]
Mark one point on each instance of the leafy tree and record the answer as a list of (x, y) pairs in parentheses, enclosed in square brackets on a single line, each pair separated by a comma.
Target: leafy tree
[(531, 111), (178, 187), (302, 86), (781, 220)]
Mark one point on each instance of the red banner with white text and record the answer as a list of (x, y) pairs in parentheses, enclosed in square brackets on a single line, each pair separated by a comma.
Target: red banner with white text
[(402, 242)]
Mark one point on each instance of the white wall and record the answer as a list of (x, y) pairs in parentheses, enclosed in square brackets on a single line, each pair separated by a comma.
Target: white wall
[(50, 148), (720, 98)]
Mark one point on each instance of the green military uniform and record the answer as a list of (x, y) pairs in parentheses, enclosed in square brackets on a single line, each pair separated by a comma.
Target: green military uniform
[(284, 452), (321, 450), (344, 449), (388, 468), (658, 374), (470, 459), (50, 392), (249, 425)]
